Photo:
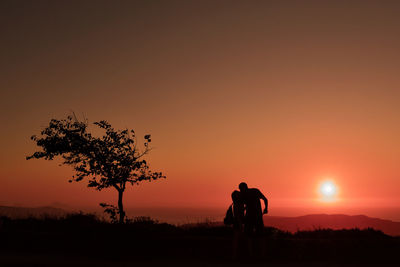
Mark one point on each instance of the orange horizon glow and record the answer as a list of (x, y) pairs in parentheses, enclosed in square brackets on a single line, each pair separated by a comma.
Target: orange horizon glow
[(281, 96)]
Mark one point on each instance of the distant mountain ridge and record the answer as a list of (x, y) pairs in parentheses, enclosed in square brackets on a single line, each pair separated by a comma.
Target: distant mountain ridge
[(25, 212), (332, 221), (323, 221)]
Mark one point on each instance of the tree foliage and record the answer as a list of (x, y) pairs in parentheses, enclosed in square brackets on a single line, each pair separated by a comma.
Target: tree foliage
[(110, 160)]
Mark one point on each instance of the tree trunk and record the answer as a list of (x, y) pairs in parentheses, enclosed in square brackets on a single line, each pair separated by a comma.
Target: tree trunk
[(121, 207)]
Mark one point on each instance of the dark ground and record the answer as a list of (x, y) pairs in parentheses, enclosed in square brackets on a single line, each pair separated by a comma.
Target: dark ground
[(83, 240)]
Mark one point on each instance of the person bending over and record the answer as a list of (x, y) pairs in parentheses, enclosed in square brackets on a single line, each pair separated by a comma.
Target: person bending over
[(253, 219)]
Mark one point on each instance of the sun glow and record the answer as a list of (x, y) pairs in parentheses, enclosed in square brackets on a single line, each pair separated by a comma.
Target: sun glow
[(328, 191)]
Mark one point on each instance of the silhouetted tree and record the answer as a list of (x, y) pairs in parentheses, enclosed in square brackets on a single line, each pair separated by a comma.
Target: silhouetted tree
[(111, 160)]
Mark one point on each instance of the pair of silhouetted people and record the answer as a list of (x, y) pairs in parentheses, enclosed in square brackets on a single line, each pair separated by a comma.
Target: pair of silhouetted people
[(247, 209), (247, 215)]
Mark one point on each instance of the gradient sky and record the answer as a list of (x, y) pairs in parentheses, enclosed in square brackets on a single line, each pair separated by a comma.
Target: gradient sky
[(282, 94)]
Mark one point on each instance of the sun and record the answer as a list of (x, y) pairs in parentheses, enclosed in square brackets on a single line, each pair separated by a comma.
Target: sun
[(328, 191)]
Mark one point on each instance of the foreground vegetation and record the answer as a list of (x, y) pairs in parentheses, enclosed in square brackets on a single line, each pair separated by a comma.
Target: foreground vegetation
[(82, 236)]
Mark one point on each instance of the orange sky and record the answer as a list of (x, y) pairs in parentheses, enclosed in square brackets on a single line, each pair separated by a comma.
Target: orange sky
[(281, 93)]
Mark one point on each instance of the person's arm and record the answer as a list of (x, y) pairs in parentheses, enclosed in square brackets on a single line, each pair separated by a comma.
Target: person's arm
[(265, 203)]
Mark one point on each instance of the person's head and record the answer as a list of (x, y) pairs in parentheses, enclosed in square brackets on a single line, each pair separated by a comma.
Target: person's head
[(243, 187), (236, 197)]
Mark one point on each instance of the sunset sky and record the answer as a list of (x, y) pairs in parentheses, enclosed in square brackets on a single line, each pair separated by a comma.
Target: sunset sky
[(281, 94)]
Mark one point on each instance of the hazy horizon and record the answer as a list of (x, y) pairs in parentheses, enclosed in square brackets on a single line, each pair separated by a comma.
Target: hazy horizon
[(181, 215)]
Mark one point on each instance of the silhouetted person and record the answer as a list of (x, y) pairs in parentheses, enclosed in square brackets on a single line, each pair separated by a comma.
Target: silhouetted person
[(238, 210), (238, 221), (253, 220)]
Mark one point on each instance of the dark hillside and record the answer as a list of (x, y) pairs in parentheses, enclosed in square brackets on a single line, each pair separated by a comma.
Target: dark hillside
[(84, 236)]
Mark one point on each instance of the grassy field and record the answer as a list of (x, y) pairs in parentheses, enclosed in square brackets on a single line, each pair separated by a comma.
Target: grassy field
[(84, 240)]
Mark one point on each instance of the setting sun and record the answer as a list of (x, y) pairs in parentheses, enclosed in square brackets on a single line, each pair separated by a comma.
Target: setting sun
[(328, 191)]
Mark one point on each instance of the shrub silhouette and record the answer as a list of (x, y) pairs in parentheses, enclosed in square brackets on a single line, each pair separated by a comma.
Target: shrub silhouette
[(84, 236)]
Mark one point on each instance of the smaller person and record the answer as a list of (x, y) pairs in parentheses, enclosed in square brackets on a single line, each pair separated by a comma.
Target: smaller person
[(238, 221)]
